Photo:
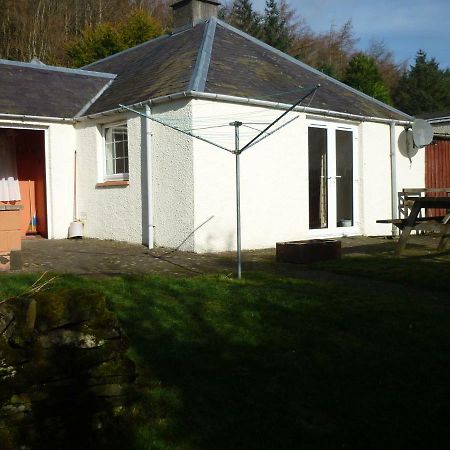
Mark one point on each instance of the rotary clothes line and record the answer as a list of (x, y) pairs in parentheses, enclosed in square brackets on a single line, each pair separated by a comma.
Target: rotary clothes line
[(238, 150)]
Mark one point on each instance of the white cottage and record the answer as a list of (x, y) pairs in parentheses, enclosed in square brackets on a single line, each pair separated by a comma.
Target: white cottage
[(331, 171)]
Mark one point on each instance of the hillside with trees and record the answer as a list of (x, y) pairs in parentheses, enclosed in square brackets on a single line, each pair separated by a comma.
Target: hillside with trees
[(74, 33)]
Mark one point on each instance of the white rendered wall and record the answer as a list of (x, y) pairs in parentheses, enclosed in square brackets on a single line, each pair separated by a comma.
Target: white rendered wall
[(375, 178), (173, 182), (193, 182), (375, 200), (60, 144), (274, 181), (109, 212), (121, 212)]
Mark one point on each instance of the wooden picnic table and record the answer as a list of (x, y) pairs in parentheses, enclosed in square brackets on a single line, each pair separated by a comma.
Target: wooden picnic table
[(439, 224)]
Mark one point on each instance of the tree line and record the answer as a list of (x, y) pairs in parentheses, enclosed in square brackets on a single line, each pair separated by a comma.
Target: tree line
[(76, 32), (58, 31)]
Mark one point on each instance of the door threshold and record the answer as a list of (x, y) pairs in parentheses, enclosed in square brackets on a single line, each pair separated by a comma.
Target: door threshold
[(31, 237)]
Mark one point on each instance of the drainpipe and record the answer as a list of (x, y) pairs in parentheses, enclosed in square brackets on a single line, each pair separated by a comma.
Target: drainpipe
[(148, 150), (394, 196)]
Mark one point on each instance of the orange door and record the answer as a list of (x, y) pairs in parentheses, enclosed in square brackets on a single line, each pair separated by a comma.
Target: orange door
[(30, 153)]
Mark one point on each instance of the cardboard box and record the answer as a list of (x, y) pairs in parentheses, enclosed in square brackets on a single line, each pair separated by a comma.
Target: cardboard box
[(10, 238)]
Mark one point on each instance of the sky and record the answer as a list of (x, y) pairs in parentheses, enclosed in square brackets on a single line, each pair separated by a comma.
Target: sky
[(405, 26)]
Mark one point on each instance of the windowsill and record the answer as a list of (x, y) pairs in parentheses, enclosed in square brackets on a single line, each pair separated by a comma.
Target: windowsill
[(118, 183)]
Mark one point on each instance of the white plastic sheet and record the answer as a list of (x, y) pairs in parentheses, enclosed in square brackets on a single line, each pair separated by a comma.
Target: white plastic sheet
[(9, 184)]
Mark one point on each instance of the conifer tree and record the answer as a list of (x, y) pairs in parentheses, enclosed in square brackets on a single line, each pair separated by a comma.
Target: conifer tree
[(275, 27), (362, 73), (424, 88), (242, 16)]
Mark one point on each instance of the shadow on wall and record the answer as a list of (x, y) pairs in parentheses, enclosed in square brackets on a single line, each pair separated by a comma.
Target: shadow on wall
[(229, 242)]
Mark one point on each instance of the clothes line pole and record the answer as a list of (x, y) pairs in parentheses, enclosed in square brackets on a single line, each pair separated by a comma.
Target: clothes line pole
[(237, 153)]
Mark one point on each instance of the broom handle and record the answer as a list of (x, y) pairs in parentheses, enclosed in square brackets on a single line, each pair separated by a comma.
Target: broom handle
[(30, 223)]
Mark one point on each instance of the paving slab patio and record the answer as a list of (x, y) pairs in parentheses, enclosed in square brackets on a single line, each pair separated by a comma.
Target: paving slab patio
[(93, 256)]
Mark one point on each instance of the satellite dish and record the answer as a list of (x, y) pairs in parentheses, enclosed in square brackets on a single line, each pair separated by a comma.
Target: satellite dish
[(422, 133)]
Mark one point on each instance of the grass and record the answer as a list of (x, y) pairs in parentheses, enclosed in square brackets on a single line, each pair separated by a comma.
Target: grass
[(430, 272), (271, 362)]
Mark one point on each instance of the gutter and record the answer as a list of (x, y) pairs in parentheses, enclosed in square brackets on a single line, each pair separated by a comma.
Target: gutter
[(438, 120), (247, 101), (442, 135), (25, 117)]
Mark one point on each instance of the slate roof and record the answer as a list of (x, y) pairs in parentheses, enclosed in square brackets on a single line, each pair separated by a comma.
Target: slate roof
[(211, 57), (245, 67), (156, 68), (39, 90), (214, 57)]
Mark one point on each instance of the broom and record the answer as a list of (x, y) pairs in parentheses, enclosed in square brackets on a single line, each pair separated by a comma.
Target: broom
[(33, 219)]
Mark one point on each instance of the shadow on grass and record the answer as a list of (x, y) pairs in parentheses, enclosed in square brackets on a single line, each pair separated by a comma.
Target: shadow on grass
[(276, 363), (281, 364)]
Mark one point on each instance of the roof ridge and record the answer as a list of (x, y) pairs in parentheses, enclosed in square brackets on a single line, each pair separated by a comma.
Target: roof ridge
[(68, 70), (200, 72), (307, 67), (93, 99)]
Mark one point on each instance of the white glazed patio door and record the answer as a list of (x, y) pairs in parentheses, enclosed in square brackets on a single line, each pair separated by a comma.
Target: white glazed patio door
[(332, 179)]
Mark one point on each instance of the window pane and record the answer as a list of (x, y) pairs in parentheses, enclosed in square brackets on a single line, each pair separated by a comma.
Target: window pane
[(116, 150), (120, 166), (109, 159), (121, 149), (344, 179), (318, 177)]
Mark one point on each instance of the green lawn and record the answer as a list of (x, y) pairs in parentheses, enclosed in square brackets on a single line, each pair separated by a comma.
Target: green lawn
[(281, 363), (429, 272)]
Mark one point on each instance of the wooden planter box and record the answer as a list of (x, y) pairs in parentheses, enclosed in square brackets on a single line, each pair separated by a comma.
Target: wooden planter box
[(302, 252)]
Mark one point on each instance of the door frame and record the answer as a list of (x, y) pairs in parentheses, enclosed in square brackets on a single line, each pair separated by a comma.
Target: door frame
[(45, 130), (333, 231)]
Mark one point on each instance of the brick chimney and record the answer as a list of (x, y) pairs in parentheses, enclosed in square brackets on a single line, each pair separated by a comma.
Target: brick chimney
[(187, 13)]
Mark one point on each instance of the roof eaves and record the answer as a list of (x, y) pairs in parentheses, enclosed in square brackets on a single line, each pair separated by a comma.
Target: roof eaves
[(244, 101), (438, 120), (26, 117), (200, 72), (309, 68), (67, 70)]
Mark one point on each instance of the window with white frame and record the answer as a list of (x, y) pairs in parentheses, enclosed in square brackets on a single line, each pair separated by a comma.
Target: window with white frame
[(116, 152)]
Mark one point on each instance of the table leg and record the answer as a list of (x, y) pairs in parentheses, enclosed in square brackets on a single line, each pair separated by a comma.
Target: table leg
[(410, 222), (445, 233)]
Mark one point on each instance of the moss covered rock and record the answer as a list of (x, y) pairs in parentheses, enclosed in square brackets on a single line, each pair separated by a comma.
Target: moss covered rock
[(63, 370)]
